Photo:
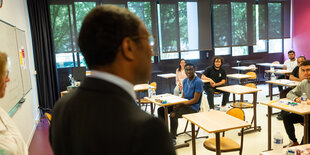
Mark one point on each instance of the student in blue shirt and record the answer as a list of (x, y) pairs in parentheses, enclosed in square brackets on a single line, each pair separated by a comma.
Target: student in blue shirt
[(192, 90)]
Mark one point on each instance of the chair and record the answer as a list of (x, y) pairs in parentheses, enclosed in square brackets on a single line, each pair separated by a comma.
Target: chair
[(244, 105), (253, 77), (252, 66), (227, 144), (204, 106), (49, 117), (146, 102), (276, 62)]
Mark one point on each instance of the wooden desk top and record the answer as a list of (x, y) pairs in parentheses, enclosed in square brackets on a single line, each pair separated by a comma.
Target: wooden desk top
[(298, 109), (142, 87), (244, 68), (167, 76), (200, 71), (171, 99), (238, 76), (300, 147), (278, 71), (238, 89), (270, 65), (284, 82), (215, 121)]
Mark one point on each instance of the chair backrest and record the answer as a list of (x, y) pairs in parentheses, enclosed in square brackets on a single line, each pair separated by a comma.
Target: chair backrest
[(252, 66), (252, 85), (252, 74), (49, 117), (236, 112), (276, 62), (154, 84)]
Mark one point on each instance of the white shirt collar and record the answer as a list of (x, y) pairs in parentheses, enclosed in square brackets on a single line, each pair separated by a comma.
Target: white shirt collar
[(127, 86)]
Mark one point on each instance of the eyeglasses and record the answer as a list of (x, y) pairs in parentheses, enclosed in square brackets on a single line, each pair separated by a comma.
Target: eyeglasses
[(150, 38)]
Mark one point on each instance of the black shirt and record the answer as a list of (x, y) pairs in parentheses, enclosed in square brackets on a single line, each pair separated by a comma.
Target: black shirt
[(216, 75), (295, 72)]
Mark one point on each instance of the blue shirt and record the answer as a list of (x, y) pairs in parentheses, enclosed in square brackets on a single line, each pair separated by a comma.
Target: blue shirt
[(190, 87)]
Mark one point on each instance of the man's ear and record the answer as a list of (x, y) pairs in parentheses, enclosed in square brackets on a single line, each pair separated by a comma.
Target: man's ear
[(127, 48)]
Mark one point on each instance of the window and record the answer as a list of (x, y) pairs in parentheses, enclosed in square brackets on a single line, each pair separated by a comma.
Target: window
[(64, 60), (222, 51), (239, 50), (275, 46), (143, 11), (261, 44)]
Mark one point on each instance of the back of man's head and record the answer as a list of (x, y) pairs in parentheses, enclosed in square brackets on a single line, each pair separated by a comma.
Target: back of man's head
[(103, 31)]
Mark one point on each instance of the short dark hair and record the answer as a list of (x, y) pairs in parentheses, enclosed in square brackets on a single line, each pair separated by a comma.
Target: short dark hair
[(290, 51), (189, 64), (103, 31), (218, 57), (302, 57), (305, 63)]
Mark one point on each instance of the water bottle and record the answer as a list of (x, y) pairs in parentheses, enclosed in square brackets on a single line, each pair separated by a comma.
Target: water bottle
[(153, 92), (277, 144), (303, 99), (150, 92), (273, 77)]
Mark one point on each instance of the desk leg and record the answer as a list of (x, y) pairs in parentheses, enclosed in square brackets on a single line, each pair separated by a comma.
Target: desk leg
[(166, 116), (306, 128), (170, 85), (269, 127), (152, 108), (254, 110), (193, 139), (139, 99), (270, 91), (241, 98), (218, 142)]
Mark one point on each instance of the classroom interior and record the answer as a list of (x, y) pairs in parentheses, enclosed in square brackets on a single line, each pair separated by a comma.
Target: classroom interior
[(204, 28)]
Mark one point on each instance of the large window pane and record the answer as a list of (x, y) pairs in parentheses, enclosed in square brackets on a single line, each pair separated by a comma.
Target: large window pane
[(239, 50), (82, 60), (261, 45), (188, 25), (275, 45), (81, 10), (239, 23), (168, 33), (61, 28), (64, 60), (220, 26), (143, 11), (222, 51), (274, 20)]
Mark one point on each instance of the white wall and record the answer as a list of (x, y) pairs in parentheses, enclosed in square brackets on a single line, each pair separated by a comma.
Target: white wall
[(15, 12)]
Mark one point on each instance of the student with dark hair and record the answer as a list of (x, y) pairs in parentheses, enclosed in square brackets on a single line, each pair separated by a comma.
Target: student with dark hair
[(289, 65), (101, 116), (217, 76), (296, 75), (192, 90), (180, 76), (295, 95)]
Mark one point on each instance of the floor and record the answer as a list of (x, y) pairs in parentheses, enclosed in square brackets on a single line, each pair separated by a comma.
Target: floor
[(254, 143)]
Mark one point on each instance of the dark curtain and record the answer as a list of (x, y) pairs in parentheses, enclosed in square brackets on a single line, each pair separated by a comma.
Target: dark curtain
[(44, 56)]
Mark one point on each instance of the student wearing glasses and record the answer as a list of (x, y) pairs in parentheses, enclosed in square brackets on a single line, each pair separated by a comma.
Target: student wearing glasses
[(11, 140)]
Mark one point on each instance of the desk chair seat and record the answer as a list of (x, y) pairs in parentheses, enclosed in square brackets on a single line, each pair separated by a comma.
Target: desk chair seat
[(49, 117), (253, 77), (227, 144)]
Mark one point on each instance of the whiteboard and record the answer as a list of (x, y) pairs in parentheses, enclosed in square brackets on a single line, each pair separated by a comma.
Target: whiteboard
[(9, 45)]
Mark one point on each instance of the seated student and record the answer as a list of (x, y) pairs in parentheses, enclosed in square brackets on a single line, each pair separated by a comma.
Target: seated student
[(295, 76), (295, 95), (180, 76), (217, 76), (192, 90), (289, 65)]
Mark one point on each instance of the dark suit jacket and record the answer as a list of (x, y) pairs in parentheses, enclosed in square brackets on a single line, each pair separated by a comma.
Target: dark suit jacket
[(102, 118)]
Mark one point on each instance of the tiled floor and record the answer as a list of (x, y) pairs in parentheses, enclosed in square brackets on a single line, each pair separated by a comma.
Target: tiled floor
[(254, 143)]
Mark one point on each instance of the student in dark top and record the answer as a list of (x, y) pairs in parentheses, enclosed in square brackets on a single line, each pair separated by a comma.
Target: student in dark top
[(217, 76), (295, 76)]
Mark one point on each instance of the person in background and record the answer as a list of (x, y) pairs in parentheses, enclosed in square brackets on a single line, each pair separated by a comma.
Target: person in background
[(11, 140), (180, 76), (295, 95), (101, 116), (296, 75), (289, 65), (217, 76), (192, 90)]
